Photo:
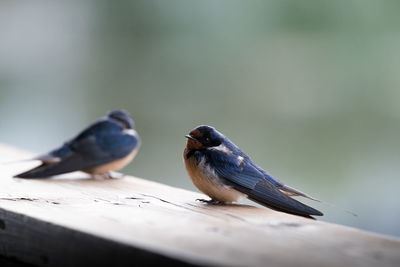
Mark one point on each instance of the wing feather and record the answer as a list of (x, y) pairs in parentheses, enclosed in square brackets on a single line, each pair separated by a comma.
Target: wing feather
[(101, 143), (244, 177)]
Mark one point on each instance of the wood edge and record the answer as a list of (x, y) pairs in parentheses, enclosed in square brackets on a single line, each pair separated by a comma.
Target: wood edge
[(20, 239)]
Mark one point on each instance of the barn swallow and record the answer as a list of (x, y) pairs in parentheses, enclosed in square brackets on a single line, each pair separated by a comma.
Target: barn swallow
[(219, 169), (107, 145)]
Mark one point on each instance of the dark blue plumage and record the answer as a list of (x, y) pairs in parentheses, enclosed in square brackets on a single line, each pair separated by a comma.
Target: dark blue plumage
[(108, 144), (225, 173)]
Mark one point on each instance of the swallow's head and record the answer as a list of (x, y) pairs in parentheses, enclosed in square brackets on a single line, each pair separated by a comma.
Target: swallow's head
[(203, 137), (122, 117)]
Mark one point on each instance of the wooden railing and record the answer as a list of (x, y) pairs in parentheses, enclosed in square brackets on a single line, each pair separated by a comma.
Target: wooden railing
[(76, 221)]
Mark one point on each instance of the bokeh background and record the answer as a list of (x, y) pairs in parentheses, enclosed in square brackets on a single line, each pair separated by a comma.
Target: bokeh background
[(310, 89)]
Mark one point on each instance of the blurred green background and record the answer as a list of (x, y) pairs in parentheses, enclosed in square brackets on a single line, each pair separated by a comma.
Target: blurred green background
[(309, 89)]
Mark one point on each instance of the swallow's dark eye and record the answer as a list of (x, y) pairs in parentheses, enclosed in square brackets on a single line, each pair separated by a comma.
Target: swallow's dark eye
[(207, 139)]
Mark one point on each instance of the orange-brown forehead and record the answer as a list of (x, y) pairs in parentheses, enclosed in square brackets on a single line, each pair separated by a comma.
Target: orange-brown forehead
[(196, 134)]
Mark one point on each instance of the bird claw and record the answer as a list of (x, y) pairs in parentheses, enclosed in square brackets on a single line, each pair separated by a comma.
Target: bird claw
[(115, 175), (211, 201), (108, 175)]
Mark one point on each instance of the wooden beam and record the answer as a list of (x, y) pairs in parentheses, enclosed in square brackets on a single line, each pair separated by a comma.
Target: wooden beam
[(75, 221)]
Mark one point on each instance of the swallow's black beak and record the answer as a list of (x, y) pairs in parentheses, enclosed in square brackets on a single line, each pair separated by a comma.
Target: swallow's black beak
[(191, 137)]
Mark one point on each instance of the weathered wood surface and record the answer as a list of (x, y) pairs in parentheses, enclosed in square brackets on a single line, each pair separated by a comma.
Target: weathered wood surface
[(75, 221)]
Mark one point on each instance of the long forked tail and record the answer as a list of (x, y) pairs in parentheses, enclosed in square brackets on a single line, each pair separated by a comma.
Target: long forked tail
[(290, 191), (69, 164), (38, 172), (268, 195)]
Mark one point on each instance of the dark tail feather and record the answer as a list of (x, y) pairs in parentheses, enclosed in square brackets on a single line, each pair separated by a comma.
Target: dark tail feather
[(38, 172), (308, 216), (267, 195), (69, 164)]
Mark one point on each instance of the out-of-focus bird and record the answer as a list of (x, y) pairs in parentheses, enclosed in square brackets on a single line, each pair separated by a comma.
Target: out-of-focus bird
[(107, 145)]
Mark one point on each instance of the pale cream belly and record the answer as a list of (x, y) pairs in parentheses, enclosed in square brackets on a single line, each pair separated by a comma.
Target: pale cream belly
[(114, 165), (210, 185)]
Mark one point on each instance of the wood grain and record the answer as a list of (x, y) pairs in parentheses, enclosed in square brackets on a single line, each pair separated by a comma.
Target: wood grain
[(75, 221)]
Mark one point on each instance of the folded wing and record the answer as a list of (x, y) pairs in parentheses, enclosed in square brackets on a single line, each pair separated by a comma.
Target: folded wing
[(102, 143), (245, 178)]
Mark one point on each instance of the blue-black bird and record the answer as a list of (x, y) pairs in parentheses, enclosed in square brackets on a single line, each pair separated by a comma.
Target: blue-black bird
[(107, 145), (219, 169)]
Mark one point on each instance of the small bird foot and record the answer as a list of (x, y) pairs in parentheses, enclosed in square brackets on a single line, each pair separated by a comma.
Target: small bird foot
[(108, 175), (115, 175), (211, 201)]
